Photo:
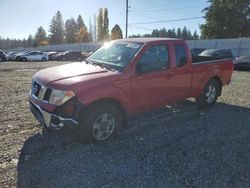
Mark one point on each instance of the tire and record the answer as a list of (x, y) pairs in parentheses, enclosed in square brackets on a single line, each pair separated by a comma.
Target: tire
[(24, 59), (100, 122), (1, 59), (209, 94), (43, 59)]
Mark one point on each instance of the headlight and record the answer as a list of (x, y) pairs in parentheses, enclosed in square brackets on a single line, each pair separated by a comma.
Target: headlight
[(59, 97)]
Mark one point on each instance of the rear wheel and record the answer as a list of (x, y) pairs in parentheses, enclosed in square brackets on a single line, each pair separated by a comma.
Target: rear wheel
[(43, 59), (100, 122), (24, 59), (209, 95), (1, 59)]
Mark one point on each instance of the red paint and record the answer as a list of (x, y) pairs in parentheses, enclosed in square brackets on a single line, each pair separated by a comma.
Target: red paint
[(135, 92)]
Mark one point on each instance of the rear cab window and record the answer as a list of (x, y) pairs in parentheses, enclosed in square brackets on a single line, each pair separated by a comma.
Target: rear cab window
[(180, 55)]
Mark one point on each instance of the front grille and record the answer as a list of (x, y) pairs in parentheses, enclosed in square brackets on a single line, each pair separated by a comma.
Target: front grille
[(40, 92), (36, 89)]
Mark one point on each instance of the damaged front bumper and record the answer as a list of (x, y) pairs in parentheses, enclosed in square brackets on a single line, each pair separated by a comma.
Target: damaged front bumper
[(49, 119)]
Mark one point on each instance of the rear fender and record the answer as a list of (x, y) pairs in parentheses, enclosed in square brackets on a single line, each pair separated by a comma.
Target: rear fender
[(208, 76)]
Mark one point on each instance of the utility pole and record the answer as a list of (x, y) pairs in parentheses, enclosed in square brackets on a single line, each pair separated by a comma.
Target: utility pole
[(126, 35)]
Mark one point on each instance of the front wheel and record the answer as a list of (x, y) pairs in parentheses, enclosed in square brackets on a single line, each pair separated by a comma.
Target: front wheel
[(44, 59), (100, 122), (209, 95)]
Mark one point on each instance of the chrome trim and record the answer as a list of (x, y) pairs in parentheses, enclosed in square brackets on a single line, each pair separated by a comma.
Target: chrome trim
[(48, 116), (212, 61), (41, 92)]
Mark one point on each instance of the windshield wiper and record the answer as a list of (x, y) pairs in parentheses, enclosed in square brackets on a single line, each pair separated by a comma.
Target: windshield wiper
[(100, 64)]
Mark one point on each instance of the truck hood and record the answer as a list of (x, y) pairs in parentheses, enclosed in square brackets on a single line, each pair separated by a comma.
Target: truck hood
[(67, 72)]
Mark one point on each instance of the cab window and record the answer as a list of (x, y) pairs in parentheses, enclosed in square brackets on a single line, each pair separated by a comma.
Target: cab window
[(154, 59), (180, 55)]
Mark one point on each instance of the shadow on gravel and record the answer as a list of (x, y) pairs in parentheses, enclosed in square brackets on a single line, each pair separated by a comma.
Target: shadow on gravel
[(177, 146)]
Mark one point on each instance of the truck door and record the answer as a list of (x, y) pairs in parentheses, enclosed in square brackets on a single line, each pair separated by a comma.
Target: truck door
[(152, 85), (182, 73)]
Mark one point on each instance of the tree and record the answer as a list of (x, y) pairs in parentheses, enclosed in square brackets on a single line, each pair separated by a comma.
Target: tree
[(40, 37), (103, 25), (93, 34), (56, 29), (179, 33), (80, 23), (189, 35), (185, 33), (195, 35), (173, 33), (30, 41), (226, 19), (70, 30), (116, 32), (83, 36)]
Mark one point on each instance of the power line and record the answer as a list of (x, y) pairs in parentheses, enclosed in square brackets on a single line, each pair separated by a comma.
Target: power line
[(163, 5), (164, 21), (146, 15), (165, 9), (144, 28)]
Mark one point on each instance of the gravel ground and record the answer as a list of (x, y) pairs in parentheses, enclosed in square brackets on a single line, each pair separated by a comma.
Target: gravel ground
[(176, 146)]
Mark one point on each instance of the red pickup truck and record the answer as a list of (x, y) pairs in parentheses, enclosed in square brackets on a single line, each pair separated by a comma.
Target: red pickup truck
[(122, 78)]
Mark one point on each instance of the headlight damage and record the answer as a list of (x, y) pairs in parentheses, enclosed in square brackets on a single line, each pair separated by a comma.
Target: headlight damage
[(52, 96), (58, 97)]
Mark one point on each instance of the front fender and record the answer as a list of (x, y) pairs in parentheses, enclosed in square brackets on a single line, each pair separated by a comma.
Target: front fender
[(108, 92)]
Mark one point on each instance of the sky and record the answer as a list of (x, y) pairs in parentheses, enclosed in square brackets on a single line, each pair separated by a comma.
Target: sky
[(19, 18)]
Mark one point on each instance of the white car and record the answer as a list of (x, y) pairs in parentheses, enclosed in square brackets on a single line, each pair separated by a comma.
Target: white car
[(34, 56)]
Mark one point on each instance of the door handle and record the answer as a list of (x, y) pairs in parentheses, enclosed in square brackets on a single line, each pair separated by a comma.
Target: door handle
[(169, 75)]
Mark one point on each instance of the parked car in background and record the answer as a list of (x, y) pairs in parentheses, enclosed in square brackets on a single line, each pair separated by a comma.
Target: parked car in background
[(52, 55), (217, 53), (16, 56), (10, 56), (196, 51), (2, 56), (69, 56), (242, 63), (34, 56)]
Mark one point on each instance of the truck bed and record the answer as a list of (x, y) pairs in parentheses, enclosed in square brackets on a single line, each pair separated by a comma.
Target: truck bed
[(205, 59)]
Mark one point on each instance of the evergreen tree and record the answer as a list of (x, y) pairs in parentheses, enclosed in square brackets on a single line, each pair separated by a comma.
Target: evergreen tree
[(80, 23), (56, 29), (226, 19), (195, 35), (189, 35), (185, 33), (116, 32), (30, 41), (179, 33), (40, 36), (173, 33), (103, 25), (70, 30)]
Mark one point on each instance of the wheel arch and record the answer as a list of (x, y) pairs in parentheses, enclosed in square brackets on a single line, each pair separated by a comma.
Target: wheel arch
[(218, 80), (115, 102)]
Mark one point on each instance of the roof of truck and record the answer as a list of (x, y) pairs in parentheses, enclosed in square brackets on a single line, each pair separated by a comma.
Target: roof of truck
[(146, 40)]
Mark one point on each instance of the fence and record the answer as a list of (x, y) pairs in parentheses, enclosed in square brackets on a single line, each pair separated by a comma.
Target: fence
[(84, 47), (239, 46)]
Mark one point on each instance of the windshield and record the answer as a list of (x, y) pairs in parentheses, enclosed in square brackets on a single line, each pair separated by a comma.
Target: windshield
[(116, 55), (208, 52)]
